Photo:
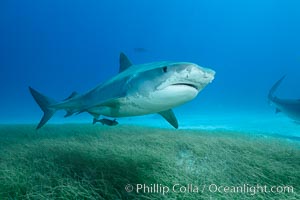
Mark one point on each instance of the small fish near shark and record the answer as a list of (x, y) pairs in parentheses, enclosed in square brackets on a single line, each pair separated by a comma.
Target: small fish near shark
[(140, 50), (105, 121), (136, 90), (290, 107)]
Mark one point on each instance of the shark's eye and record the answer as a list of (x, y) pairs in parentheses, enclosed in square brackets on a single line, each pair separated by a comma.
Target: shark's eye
[(165, 69)]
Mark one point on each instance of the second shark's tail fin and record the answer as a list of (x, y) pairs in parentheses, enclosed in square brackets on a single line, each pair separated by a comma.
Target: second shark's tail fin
[(274, 88), (44, 103)]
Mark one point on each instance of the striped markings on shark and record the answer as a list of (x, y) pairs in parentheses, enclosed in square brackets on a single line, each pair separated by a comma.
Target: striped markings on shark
[(289, 107), (136, 90)]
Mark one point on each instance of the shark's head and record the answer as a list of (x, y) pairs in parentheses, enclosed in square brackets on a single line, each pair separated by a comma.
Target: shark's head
[(166, 85)]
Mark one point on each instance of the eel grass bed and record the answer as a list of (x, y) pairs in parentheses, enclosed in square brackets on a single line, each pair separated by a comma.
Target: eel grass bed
[(81, 161)]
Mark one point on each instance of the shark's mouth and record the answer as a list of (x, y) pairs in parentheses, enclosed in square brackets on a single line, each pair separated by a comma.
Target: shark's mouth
[(186, 84)]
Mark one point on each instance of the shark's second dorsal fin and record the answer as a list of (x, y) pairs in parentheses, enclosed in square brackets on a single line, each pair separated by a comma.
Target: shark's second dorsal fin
[(124, 62), (170, 117), (71, 96)]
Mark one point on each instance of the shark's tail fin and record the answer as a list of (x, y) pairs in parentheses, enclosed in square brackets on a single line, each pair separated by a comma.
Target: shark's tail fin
[(44, 103), (274, 88)]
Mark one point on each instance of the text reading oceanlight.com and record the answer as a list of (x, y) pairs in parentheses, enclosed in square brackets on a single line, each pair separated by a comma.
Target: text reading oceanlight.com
[(211, 188)]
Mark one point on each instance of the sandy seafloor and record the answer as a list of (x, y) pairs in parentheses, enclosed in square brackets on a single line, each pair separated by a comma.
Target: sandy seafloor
[(268, 124)]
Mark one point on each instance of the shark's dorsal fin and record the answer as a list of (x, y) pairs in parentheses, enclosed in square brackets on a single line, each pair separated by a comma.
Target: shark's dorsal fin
[(124, 62), (71, 96), (170, 117)]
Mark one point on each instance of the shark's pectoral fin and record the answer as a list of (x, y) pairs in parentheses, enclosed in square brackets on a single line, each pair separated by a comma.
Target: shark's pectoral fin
[(277, 111), (170, 117)]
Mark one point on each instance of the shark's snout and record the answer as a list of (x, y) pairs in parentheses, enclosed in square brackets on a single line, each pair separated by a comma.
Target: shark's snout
[(199, 76), (207, 73)]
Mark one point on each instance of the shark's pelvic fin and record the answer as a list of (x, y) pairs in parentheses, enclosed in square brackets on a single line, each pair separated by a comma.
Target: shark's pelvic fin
[(124, 62), (69, 113), (45, 104), (170, 117)]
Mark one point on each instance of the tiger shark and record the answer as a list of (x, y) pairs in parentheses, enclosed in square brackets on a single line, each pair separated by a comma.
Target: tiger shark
[(136, 90), (290, 107)]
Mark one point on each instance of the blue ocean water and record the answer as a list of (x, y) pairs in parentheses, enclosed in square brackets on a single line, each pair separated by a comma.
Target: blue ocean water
[(59, 47)]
